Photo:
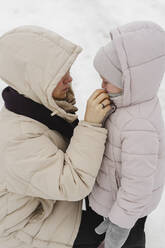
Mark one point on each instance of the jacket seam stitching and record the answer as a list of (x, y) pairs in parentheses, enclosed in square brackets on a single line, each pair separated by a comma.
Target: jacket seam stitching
[(141, 154), (141, 29), (144, 119), (146, 62), (37, 34)]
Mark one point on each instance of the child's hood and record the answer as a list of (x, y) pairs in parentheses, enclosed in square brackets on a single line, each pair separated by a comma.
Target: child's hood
[(141, 50), (33, 60)]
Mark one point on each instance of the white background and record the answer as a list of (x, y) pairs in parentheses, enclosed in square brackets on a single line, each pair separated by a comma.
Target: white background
[(87, 23)]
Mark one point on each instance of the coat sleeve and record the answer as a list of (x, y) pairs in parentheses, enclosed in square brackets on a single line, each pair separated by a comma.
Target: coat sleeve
[(36, 167), (139, 160)]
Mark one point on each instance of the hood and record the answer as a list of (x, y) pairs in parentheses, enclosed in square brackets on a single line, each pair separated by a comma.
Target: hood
[(33, 60), (140, 47)]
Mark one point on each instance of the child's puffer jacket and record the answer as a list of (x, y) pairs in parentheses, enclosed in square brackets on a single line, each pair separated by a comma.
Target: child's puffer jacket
[(131, 179)]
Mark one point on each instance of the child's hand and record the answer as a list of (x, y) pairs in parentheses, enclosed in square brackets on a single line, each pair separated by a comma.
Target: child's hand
[(115, 236)]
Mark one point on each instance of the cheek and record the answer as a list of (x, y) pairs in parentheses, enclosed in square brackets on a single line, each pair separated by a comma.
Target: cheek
[(109, 87), (59, 85), (112, 88), (56, 90)]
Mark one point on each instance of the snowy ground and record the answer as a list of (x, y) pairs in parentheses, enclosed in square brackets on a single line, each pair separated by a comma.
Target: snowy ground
[(87, 23)]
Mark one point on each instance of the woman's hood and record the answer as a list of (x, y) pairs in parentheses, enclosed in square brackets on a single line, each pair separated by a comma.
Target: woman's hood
[(33, 60), (141, 50)]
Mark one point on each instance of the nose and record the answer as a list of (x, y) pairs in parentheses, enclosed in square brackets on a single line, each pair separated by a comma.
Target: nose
[(103, 85), (68, 80)]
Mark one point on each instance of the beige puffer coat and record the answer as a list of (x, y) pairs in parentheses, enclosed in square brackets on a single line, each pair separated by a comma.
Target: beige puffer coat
[(42, 179)]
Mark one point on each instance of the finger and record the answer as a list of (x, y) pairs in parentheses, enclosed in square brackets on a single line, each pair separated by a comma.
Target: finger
[(104, 106), (106, 102), (102, 228), (107, 109), (96, 93), (101, 97)]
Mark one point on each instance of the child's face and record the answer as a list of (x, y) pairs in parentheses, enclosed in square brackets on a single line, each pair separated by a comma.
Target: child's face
[(110, 88)]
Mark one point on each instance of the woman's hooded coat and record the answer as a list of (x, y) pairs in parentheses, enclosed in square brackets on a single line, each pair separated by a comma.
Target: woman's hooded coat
[(42, 179)]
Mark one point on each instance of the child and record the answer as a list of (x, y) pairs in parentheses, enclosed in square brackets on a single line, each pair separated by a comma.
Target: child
[(131, 178)]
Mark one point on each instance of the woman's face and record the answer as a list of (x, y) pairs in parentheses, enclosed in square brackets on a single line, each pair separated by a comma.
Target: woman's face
[(110, 88), (62, 87)]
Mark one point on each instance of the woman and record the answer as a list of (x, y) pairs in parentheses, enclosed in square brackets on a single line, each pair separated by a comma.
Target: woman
[(43, 177)]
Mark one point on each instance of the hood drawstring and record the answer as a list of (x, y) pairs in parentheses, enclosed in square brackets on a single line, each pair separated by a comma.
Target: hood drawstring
[(54, 112)]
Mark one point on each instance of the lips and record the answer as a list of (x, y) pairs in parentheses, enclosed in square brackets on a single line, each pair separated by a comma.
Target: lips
[(66, 89)]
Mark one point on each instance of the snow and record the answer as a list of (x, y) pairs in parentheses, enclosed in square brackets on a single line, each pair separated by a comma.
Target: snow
[(87, 23)]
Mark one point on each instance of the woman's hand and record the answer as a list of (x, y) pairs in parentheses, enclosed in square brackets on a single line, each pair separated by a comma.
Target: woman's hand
[(98, 105)]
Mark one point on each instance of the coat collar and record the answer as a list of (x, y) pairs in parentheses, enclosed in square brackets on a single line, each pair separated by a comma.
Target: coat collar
[(22, 105)]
